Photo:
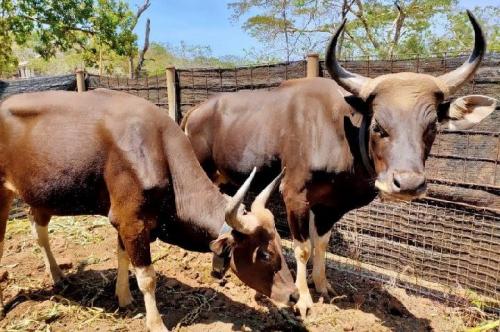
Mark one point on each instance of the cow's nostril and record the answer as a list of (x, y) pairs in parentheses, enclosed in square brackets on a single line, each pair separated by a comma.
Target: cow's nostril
[(397, 183), (294, 297), (422, 186)]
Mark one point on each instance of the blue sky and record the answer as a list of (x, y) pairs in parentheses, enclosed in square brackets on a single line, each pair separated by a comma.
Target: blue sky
[(207, 22)]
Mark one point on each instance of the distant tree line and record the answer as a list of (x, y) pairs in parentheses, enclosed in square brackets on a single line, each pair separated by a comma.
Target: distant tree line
[(58, 36), (375, 27)]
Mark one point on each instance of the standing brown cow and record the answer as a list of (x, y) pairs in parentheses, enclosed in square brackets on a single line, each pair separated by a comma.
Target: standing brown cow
[(115, 154), (333, 164)]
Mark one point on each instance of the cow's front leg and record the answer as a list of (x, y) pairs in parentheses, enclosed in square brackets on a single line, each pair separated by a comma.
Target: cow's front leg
[(320, 225), (320, 245), (146, 279), (136, 240), (298, 220), (302, 251), (122, 290)]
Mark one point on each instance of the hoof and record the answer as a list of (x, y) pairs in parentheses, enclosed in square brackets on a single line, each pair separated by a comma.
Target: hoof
[(157, 327), (125, 301), (304, 305), (325, 290), (57, 276)]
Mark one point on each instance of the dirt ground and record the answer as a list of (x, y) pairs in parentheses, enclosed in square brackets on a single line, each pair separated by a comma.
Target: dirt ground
[(189, 298)]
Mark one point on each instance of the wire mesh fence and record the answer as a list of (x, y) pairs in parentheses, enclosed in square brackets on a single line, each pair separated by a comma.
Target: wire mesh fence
[(440, 245), (447, 245), (152, 88)]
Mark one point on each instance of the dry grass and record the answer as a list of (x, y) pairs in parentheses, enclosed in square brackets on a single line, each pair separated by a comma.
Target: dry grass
[(94, 305)]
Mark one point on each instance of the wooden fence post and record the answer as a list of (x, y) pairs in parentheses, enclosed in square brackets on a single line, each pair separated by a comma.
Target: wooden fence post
[(171, 93), (80, 80), (312, 65)]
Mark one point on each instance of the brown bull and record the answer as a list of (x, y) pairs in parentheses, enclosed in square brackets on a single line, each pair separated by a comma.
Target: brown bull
[(117, 155), (334, 164)]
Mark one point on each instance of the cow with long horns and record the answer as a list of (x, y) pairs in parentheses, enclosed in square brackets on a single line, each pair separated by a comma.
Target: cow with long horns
[(117, 155), (340, 147)]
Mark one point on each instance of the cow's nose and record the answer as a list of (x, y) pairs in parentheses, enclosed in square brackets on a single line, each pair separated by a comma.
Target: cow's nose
[(409, 182), (294, 297)]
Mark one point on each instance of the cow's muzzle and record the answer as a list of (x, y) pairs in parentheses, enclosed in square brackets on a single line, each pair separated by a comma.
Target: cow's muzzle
[(402, 185), (220, 264)]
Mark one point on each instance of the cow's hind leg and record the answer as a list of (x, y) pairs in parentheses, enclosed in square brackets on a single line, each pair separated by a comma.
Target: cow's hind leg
[(6, 198), (136, 240), (40, 229), (134, 234), (122, 290)]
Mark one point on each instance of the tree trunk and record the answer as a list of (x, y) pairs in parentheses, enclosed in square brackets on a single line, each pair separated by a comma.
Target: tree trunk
[(131, 67), (140, 61)]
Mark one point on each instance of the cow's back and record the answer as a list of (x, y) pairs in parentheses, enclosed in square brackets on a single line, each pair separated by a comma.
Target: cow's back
[(299, 123), (54, 146)]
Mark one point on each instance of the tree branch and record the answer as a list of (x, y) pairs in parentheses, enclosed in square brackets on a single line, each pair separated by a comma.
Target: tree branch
[(361, 16), (140, 62), (66, 27), (355, 41), (397, 26), (140, 11)]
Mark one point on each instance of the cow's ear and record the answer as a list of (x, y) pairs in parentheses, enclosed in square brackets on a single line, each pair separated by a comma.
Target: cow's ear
[(359, 104), (466, 112), (221, 244)]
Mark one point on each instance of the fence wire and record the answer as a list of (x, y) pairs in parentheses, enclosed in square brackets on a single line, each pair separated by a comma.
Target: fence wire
[(447, 245)]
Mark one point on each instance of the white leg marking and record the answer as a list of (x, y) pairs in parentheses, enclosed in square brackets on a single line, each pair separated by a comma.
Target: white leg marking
[(122, 290), (320, 244), (41, 234), (302, 252), (146, 279)]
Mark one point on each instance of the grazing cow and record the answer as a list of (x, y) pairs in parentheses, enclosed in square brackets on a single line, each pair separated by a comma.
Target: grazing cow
[(335, 163), (114, 154)]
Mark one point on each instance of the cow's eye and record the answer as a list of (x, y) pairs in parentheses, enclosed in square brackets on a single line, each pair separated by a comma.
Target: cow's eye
[(378, 129), (263, 255)]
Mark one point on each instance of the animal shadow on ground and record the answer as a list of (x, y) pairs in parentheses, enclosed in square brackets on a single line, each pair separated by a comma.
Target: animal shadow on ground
[(355, 292), (178, 303), (359, 293)]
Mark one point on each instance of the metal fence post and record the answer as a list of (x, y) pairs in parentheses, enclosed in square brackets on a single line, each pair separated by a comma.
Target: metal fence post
[(80, 80), (312, 65), (171, 93)]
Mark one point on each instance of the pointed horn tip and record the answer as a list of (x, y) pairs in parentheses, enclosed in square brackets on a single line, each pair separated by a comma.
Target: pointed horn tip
[(340, 27), (282, 174), (470, 14), (252, 175)]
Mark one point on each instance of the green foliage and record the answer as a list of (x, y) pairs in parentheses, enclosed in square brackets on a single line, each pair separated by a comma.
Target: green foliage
[(459, 35), (485, 327), (48, 27), (159, 56), (375, 27)]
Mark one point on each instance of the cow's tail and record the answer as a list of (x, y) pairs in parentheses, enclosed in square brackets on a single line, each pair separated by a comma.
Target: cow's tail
[(186, 117)]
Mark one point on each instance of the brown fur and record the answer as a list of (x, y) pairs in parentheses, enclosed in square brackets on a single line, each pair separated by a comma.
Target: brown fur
[(111, 153)]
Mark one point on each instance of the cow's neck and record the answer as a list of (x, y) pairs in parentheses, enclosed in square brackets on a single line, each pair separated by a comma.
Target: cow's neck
[(357, 137), (200, 207)]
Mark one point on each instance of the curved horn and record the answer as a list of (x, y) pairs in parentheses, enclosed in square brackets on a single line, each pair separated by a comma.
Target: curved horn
[(261, 200), (462, 74), (234, 203), (349, 81)]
